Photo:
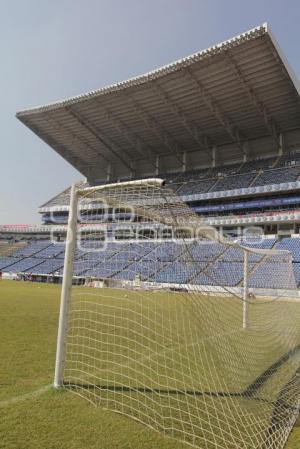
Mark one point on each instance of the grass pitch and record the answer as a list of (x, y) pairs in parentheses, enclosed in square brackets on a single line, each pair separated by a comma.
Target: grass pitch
[(33, 415)]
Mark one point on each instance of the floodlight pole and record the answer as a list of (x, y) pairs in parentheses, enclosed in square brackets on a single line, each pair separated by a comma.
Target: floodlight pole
[(66, 290), (245, 292)]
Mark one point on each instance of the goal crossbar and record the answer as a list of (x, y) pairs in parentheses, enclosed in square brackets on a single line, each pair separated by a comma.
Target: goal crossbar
[(151, 182)]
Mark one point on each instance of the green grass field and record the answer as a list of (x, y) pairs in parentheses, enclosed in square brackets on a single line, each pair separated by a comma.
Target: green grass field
[(33, 415)]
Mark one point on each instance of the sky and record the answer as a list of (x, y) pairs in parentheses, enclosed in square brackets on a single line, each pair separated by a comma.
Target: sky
[(51, 50)]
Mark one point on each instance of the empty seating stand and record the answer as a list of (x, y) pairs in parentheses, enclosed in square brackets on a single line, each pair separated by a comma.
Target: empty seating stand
[(236, 176), (202, 262)]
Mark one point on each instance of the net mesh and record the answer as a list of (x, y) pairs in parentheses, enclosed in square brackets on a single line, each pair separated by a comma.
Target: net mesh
[(161, 338)]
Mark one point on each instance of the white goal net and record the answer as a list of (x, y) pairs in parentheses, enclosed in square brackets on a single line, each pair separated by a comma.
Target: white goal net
[(191, 334)]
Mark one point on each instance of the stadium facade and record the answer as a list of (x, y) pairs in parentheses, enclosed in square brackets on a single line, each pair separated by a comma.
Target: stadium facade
[(221, 127)]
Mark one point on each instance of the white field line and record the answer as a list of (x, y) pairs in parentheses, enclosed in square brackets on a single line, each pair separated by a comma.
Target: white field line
[(25, 396)]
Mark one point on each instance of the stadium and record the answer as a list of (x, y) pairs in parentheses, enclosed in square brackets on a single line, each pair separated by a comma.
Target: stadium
[(180, 292)]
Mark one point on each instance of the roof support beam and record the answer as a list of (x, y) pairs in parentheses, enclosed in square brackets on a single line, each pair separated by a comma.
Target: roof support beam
[(157, 165), (261, 108), (214, 156), (135, 141), (184, 161), (108, 173), (199, 137), (281, 144), (223, 119), (274, 51), (110, 146), (58, 127), (171, 144)]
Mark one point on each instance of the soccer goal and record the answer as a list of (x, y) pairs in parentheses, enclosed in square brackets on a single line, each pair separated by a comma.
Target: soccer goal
[(190, 334)]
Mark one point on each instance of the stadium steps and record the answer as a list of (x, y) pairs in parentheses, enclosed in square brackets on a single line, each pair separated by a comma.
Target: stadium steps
[(84, 259), (33, 254), (238, 170), (209, 265), (97, 264), (132, 262), (11, 262), (276, 162), (213, 186), (27, 269), (43, 263), (39, 251), (114, 254), (8, 249), (163, 264), (255, 178), (176, 187)]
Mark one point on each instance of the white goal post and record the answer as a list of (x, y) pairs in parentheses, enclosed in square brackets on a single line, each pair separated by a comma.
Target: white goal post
[(66, 288), (68, 266), (174, 339)]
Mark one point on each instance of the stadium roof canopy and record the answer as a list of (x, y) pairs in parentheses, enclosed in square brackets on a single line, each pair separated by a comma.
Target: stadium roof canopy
[(215, 103)]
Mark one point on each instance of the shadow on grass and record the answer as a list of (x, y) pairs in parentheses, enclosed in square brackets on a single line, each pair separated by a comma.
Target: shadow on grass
[(285, 408), (248, 393)]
